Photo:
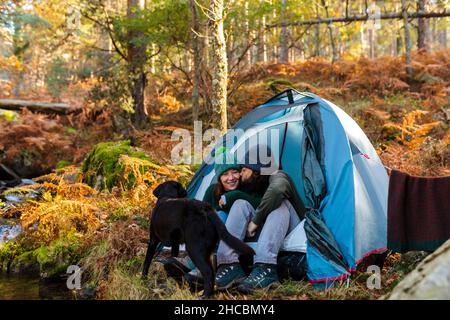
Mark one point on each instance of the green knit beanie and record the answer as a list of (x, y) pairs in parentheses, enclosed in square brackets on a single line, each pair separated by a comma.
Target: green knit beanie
[(226, 162)]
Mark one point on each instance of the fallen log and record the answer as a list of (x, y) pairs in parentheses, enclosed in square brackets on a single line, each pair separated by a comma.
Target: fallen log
[(37, 106)]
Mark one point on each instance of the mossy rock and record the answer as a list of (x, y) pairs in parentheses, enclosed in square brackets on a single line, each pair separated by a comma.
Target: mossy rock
[(103, 160), (54, 259), (25, 263), (17, 256)]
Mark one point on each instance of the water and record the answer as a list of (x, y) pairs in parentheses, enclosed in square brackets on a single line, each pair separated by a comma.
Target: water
[(30, 287), (8, 232), (25, 286)]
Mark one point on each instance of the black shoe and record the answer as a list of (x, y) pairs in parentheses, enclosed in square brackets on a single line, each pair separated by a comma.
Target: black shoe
[(174, 268), (194, 278)]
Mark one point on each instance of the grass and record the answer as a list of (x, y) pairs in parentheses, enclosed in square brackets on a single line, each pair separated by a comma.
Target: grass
[(125, 282)]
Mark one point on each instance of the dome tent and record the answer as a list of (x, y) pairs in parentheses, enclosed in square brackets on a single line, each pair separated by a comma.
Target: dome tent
[(337, 174)]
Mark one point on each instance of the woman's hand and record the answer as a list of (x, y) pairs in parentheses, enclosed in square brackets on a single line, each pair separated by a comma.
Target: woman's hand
[(251, 229)]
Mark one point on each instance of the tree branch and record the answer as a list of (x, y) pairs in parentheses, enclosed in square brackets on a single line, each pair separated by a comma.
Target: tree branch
[(385, 16), (110, 33)]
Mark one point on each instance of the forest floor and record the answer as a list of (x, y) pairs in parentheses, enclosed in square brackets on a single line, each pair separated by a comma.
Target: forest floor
[(104, 228)]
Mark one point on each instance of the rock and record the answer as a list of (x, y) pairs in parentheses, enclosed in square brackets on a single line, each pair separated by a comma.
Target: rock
[(25, 263), (18, 197), (99, 185), (70, 178), (102, 168), (430, 279), (86, 294), (25, 182), (9, 184)]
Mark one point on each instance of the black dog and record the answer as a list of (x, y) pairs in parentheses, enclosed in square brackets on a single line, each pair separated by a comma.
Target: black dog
[(175, 221)]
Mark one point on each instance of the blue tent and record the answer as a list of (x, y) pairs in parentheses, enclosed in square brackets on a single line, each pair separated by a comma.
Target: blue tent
[(337, 173)]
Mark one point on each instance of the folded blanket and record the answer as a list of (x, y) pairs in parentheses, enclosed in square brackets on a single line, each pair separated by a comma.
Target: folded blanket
[(418, 212)]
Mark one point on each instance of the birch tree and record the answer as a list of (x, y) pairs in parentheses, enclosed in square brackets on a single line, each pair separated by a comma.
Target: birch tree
[(220, 65)]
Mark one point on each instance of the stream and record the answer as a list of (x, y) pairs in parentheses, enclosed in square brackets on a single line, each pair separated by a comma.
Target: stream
[(20, 286), (31, 287)]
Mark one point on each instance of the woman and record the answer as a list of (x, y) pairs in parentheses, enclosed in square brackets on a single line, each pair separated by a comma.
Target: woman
[(226, 191)]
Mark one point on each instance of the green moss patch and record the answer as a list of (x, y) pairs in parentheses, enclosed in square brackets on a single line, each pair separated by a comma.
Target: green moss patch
[(103, 160)]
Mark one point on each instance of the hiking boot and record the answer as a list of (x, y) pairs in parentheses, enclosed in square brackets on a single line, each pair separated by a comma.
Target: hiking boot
[(229, 275), (262, 276), (194, 278), (175, 267)]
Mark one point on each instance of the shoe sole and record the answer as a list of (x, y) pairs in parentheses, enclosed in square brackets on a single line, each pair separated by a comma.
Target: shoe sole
[(231, 284), (273, 285)]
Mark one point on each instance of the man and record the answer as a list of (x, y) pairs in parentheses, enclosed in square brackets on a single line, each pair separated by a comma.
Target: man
[(279, 212)]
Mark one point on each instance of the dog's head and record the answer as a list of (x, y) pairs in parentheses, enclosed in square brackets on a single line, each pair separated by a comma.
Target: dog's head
[(170, 189)]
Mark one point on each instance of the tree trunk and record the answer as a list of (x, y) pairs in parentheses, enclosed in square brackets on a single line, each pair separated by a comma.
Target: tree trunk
[(371, 43), (422, 27), (263, 43), (330, 30), (284, 49), (136, 61), (317, 34), (248, 54), (220, 66), (443, 37), (433, 33), (407, 40), (196, 48), (394, 49)]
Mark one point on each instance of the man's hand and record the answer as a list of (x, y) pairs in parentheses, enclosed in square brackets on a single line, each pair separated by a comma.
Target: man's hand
[(222, 201), (251, 229)]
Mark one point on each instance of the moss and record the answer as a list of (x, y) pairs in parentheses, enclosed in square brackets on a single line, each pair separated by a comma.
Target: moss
[(17, 255), (63, 163), (54, 259), (26, 262), (8, 115), (8, 251), (103, 160)]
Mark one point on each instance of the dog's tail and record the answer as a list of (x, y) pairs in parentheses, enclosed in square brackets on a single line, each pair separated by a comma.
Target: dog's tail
[(229, 239)]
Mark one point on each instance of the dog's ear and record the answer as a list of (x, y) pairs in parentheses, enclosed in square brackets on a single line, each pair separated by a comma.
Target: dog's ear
[(181, 192), (158, 190)]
